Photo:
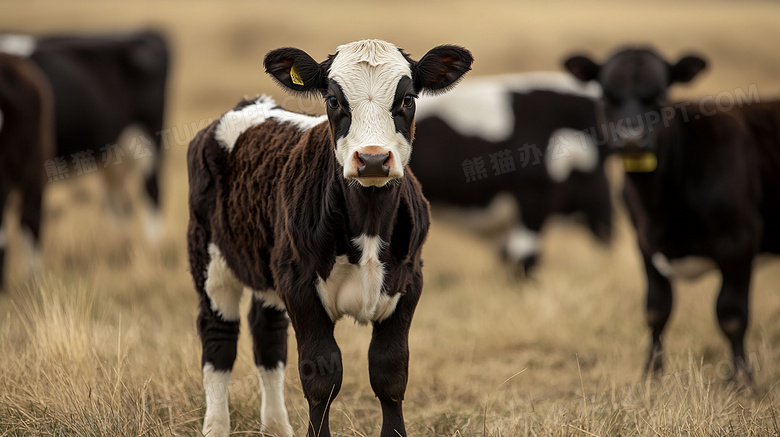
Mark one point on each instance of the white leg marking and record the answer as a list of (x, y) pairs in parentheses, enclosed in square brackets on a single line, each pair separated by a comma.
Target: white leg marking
[(521, 243), (32, 254), (270, 299), (222, 286), (216, 384), (273, 413), (570, 150)]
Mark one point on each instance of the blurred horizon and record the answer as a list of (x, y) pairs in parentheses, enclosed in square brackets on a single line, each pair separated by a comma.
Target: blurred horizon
[(218, 47)]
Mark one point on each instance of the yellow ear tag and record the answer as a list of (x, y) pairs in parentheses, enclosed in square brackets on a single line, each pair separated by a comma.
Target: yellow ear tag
[(643, 163), (294, 76)]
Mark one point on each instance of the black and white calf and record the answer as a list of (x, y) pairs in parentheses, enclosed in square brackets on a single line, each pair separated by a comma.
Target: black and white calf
[(543, 126), (26, 141), (102, 85), (321, 218), (702, 186)]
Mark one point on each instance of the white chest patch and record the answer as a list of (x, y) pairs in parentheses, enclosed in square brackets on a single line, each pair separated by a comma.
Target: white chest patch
[(569, 150), (18, 45), (690, 267), (482, 107), (234, 123), (356, 290)]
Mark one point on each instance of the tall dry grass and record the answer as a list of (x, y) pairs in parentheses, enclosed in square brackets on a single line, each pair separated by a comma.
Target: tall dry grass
[(105, 343)]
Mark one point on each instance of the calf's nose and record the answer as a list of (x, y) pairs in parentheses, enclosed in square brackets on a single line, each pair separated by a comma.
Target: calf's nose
[(373, 165)]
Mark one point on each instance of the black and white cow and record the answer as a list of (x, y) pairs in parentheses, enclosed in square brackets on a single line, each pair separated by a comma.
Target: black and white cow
[(26, 141), (102, 85), (533, 136), (702, 185), (321, 218)]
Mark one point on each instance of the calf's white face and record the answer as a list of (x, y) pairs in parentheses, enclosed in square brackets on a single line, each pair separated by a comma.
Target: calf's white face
[(369, 89), (365, 78)]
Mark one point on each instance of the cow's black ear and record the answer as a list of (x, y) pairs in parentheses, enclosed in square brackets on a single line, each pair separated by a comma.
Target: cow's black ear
[(441, 68), (686, 69), (295, 70), (582, 67)]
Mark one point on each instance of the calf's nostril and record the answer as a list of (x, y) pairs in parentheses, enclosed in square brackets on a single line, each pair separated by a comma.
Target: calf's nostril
[(358, 161)]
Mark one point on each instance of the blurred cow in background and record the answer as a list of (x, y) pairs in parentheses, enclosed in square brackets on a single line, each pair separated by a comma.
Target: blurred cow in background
[(523, 140), (26, 125), (702, 184), (103, 85)]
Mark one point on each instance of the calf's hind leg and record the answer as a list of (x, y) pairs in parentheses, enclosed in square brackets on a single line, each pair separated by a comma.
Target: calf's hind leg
[(269, 333), (218, 326)]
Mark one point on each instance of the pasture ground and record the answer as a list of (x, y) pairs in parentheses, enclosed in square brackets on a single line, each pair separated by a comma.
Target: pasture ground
[(106, 344)]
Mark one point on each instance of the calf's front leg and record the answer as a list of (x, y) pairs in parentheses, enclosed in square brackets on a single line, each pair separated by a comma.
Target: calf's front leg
[(388, 364), (319, 358)]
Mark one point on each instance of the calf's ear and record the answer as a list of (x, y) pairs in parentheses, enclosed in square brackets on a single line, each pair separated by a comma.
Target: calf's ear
[(582, 67), (441, 68), (296, 71), (686, 69)]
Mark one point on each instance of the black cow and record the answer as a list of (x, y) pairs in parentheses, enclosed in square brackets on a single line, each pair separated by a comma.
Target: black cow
[(702, 185), (530, 138), (321, 218), (103, 84), (26, 141)]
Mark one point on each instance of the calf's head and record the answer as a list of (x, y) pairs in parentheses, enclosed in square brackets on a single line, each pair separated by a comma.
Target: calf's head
[(634, 83), (369, 89)]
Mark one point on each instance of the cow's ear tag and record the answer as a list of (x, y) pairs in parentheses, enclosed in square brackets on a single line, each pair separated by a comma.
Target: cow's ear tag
[(644, 163), (294, 76)]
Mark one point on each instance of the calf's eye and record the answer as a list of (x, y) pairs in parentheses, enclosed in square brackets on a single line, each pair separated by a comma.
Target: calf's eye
[(333, 102), (408, 100)]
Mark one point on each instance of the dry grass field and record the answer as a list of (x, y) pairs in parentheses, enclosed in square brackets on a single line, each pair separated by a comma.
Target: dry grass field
[(105, 344)]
